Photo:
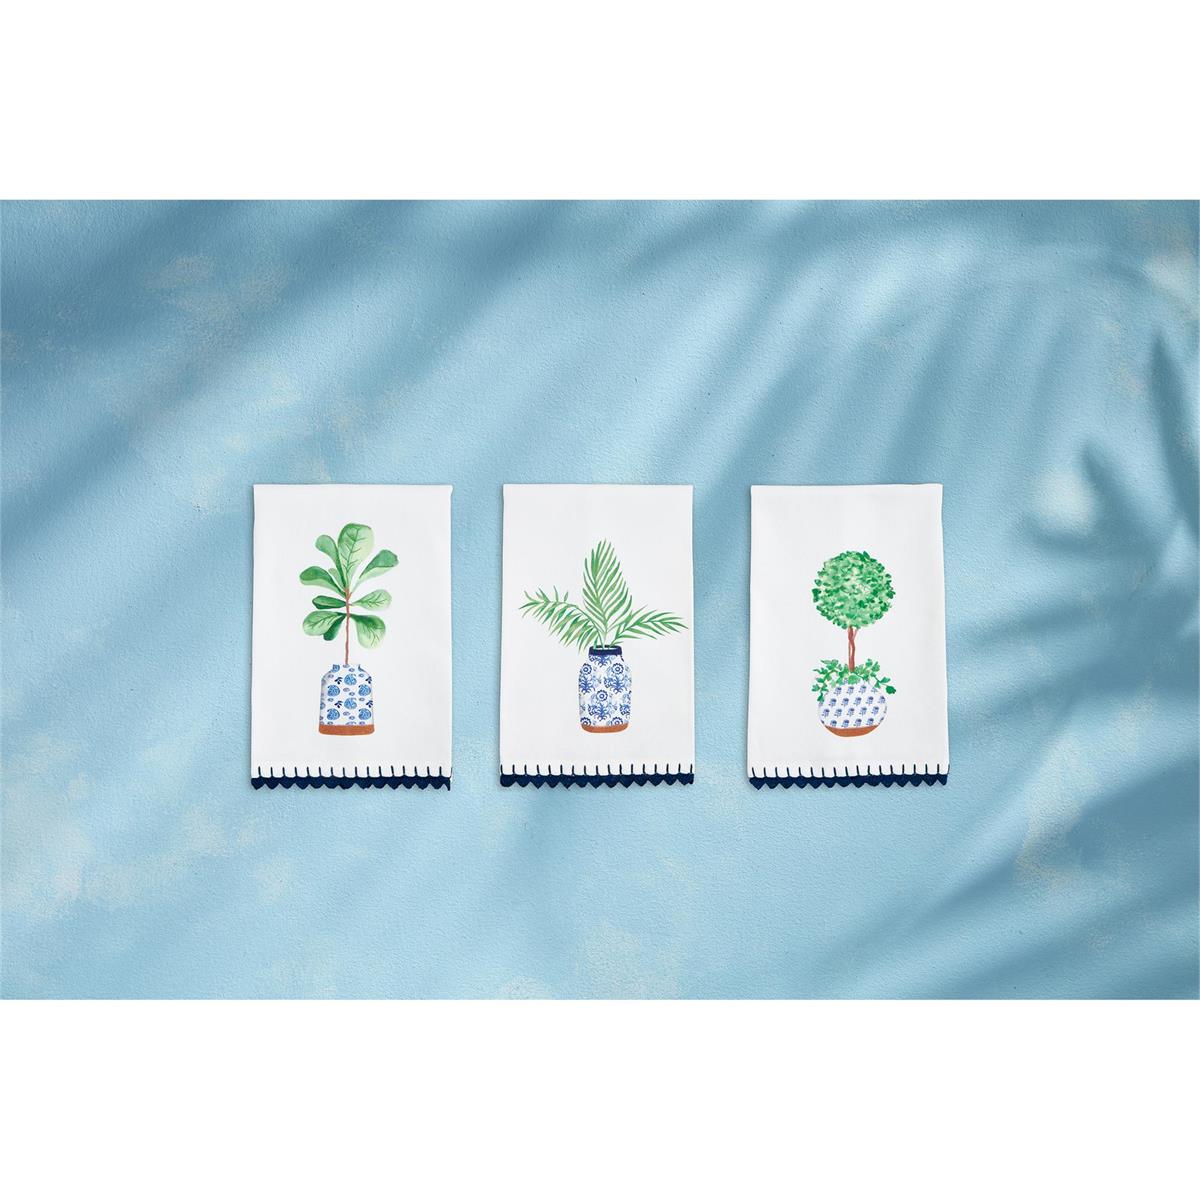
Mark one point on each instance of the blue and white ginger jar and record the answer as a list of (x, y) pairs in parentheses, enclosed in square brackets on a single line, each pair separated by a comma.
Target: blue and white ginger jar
[(347, 700), (605, 691)]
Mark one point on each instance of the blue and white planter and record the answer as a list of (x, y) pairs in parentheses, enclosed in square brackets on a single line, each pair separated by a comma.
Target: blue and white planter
[(605, 691), (347, 701), (852, 709)]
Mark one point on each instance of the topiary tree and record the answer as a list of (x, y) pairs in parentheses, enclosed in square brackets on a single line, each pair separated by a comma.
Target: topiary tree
[(852, 589)]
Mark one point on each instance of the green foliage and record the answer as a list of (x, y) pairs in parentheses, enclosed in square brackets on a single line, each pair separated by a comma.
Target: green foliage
[(606, 598), (319, 577), (319, 622), (353, 545), (831, 673), (385, 560), (565, 619), (853, 589), (327, 545), (376, 599), (645, 624), (370, 630), (606, 616)]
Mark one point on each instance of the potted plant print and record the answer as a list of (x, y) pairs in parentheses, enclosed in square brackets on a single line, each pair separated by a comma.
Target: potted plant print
[(347, 690), (852, 589), (603, 619)]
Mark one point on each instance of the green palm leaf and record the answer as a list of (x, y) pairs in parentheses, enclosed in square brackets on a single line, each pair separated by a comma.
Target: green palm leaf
[(606, 615), (563, 617), (646, 624), (605, 593)]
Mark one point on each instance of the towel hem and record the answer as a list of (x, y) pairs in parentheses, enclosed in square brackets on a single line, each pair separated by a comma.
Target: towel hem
[(351, 777), (871, 776), (649, 774)]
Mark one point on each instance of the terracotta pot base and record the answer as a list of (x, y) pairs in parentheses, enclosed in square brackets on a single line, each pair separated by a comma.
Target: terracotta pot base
[(604, 728), (852, 732), (346, 730)]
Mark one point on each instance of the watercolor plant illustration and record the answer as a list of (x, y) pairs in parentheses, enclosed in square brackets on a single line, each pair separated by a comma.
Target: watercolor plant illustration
[(852, 590), (347, 690), (603, 619)]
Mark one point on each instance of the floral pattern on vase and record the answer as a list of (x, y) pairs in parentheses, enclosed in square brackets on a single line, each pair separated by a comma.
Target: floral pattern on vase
[(605, 691), (851, 709), (347, 701)]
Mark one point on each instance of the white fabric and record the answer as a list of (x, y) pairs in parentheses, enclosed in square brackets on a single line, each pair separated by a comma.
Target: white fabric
[(794, 530), (548, 532), (410, 668)]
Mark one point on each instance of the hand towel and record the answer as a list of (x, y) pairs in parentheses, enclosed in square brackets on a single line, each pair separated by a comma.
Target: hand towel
[(596, 658), (351, 656), (847, 636)]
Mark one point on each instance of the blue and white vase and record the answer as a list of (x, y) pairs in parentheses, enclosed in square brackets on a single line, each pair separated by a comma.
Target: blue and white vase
[(605, 691), (347, 701), (852, 709)]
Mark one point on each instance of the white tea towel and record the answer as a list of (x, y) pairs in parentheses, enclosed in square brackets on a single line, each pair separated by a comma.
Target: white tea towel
[(351, 660), (596, 660), (847, 636)]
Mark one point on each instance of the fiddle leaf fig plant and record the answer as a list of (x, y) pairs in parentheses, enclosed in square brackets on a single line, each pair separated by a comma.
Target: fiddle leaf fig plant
[(333, 613)]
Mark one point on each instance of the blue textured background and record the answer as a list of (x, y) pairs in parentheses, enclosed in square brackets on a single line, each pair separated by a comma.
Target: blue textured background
[(1038, 359)]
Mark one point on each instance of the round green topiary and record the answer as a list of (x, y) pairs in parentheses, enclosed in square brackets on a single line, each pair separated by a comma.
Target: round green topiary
[(853, 589)]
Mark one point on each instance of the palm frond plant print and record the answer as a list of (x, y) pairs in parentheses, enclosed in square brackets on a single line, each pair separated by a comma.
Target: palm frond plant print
[(852, 590), (600, 621), (347, 690)]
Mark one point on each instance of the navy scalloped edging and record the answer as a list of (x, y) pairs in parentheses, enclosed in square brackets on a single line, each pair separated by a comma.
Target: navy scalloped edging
[(567, 779), (439, 780), (899, 779)]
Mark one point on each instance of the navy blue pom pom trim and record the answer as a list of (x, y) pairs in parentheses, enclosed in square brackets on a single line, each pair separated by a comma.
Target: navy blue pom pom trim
[(898, 778), (548, 778), (272, 780)]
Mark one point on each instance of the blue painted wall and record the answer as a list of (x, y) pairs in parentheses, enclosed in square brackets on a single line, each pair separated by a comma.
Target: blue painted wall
[(1038, 359)]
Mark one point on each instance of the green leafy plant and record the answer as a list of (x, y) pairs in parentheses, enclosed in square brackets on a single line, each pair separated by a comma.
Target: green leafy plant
[(852, 589), (343, 579), (831, 673), (605, 615)]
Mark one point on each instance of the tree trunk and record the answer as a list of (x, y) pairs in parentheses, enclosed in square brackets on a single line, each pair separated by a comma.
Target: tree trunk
[(346, 656), (850, 632)]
